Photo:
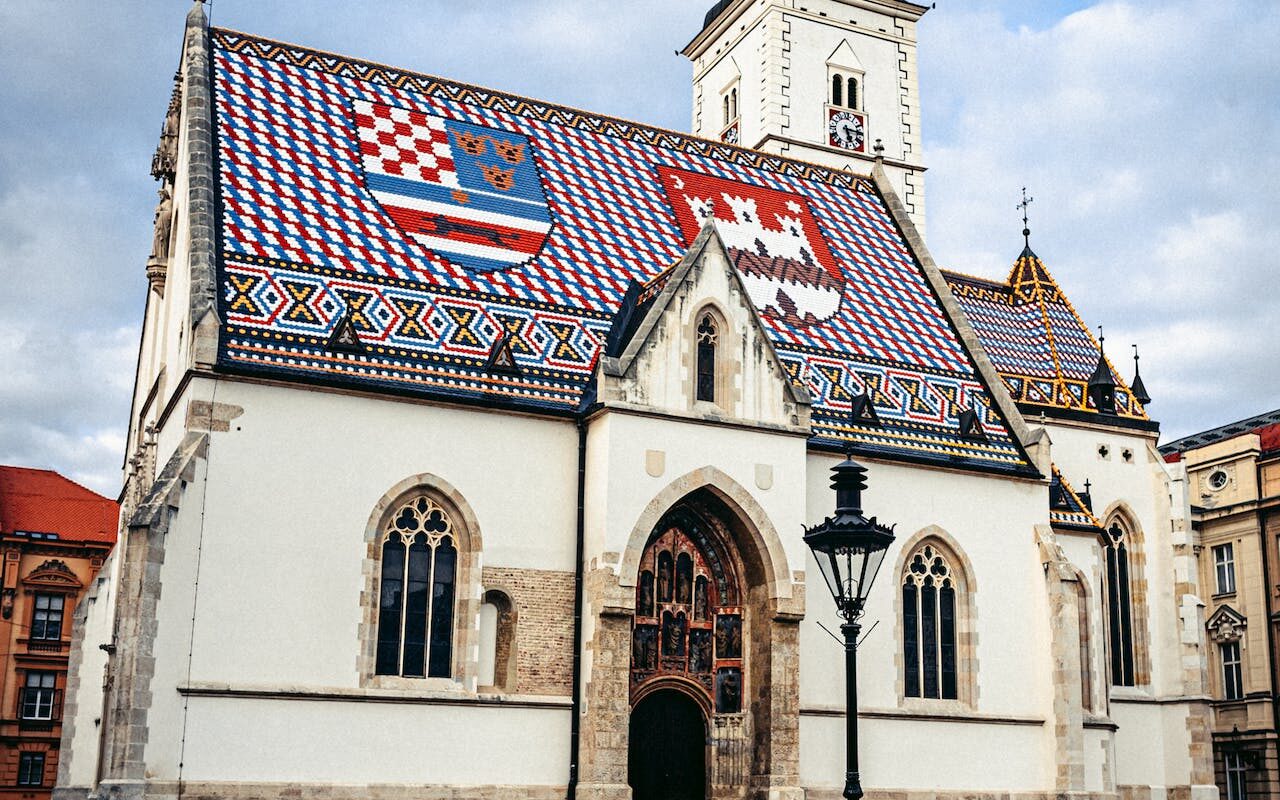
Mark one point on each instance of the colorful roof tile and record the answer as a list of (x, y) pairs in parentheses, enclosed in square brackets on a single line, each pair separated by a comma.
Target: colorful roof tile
[(1066, 507), (439, 217), (42, 504), (1043, 350)]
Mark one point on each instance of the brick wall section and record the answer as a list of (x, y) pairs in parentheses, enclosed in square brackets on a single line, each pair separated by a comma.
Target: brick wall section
[(543, 602)]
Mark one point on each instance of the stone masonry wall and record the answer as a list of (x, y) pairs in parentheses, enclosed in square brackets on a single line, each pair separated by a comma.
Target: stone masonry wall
[(544, 626)]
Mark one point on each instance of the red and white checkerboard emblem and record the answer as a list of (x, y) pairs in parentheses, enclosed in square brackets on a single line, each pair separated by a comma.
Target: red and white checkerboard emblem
[(469, 193)]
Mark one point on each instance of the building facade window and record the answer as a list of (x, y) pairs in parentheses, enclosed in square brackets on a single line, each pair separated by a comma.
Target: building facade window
[(39, 696), (1236, 773), (708, 335), (416, 593), (1224, 566), (31, 769), (46, 618), (1119, 606), (929, 626), (844, 90), (1232, 676)]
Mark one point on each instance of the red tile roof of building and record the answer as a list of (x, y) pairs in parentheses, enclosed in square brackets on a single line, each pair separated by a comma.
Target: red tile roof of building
[(42, 501)]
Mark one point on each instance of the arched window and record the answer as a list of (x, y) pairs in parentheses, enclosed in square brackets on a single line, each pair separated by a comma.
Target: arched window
[(708, 335), (727, 118), (1119, 605), (416, 594), (837, 90), (929, 605), (497, 667), (853, 93), (733, 103), (1086, 648)]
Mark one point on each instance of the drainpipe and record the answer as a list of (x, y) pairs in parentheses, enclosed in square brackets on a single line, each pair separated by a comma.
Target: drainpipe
[(575, 724)]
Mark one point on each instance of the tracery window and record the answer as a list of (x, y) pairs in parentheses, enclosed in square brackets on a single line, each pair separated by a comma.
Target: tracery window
[(708, 334), (929, 625), (688, 621), (1119, 605), (416, 594)]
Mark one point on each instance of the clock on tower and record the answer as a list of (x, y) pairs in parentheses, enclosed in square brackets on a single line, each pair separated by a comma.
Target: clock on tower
[(847, 129)]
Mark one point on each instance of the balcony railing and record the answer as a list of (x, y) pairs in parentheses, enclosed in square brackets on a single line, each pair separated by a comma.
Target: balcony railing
[(39, 707), (46, 645)]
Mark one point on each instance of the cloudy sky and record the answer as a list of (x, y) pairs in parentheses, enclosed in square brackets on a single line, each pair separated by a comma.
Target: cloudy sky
[(1146, 131)]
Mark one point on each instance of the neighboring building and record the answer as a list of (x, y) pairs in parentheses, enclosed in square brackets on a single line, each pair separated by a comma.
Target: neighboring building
[(1234, 477), (474, 439), (55, 535)]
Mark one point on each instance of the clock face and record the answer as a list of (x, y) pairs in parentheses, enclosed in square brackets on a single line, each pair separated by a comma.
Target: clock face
[(846, 129)]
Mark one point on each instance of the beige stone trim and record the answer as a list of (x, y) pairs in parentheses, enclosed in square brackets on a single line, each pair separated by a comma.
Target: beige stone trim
[(339, 694), (966, 624), (740, 501), (466, 609)]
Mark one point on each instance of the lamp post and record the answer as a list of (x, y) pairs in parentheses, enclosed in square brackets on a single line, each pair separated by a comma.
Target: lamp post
[(849, 549)]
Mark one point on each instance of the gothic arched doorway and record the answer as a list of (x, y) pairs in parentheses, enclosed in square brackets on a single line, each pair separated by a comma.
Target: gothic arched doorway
[(667, 758)]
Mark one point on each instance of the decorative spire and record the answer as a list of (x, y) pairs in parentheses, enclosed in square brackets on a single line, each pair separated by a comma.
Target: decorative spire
[(1137, 387), (1026, 225), (1102, 386)]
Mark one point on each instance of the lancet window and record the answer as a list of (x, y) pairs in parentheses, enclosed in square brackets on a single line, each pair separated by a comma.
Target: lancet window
[(1119, 605), (689, 622), (708, 335), (416, 594), (929, 604)]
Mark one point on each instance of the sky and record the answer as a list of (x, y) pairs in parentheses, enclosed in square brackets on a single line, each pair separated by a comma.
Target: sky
[(1144, 130)]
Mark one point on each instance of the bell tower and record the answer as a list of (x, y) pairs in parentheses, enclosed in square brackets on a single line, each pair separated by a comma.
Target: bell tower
[(817, 80)]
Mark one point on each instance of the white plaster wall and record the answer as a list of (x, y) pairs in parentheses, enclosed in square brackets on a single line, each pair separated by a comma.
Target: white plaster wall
[(290, 492), (1097, 744), (80, 750), (921, 756), (993, 521), (237, 739), (1140, 755)]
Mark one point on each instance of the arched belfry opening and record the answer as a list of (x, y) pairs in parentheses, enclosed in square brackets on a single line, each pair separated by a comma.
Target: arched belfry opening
[(704, 628)]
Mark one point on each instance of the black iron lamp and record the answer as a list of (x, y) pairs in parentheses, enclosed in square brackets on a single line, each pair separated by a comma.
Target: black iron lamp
[(849, 549)]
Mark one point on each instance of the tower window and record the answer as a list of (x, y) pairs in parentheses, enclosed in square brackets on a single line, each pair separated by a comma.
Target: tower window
[(733, 103), (727, 118), (844, 90), (706, 356), (837, 90)]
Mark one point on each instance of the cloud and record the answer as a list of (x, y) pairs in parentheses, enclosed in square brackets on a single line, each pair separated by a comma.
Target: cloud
[(1145, 133)]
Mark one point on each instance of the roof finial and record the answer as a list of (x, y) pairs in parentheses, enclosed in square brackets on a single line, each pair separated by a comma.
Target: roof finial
[(1026, 228), (1138, 389), (879, 151), (1102, 342)]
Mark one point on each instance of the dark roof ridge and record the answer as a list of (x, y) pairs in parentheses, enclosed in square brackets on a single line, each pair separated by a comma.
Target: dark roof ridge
[(1222, 432)]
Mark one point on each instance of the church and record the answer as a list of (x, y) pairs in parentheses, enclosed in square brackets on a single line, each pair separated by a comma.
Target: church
[(474, 440)]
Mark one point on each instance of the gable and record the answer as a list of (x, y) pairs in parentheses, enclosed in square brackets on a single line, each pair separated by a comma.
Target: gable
[(440, 217)]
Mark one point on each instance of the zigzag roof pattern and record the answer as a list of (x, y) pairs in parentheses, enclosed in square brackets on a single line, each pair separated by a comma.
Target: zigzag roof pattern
[(437, 217), (1034, 337)]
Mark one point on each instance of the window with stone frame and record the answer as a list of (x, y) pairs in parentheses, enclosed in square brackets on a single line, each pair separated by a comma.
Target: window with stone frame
[(418, 570), (31, 769), (708, 335), (929, 609), (1120, 605), (39, 696), (1224, 567), (1237, 776), (1232, 674), (46, 616)]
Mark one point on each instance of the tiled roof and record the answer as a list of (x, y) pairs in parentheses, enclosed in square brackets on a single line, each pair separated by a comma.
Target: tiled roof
[(1042, 349), (437, 216), (42, 502), (1066, 508), (1267, 426)]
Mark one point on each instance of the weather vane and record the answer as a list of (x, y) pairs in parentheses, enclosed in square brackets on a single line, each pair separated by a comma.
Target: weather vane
[(1102, 341), (1026, 228)]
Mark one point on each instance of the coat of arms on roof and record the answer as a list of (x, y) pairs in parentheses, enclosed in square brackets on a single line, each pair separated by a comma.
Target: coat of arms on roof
[(773, 239), (465, 192)]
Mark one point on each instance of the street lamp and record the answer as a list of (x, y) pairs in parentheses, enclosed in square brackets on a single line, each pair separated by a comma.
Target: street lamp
[(849, 549)]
